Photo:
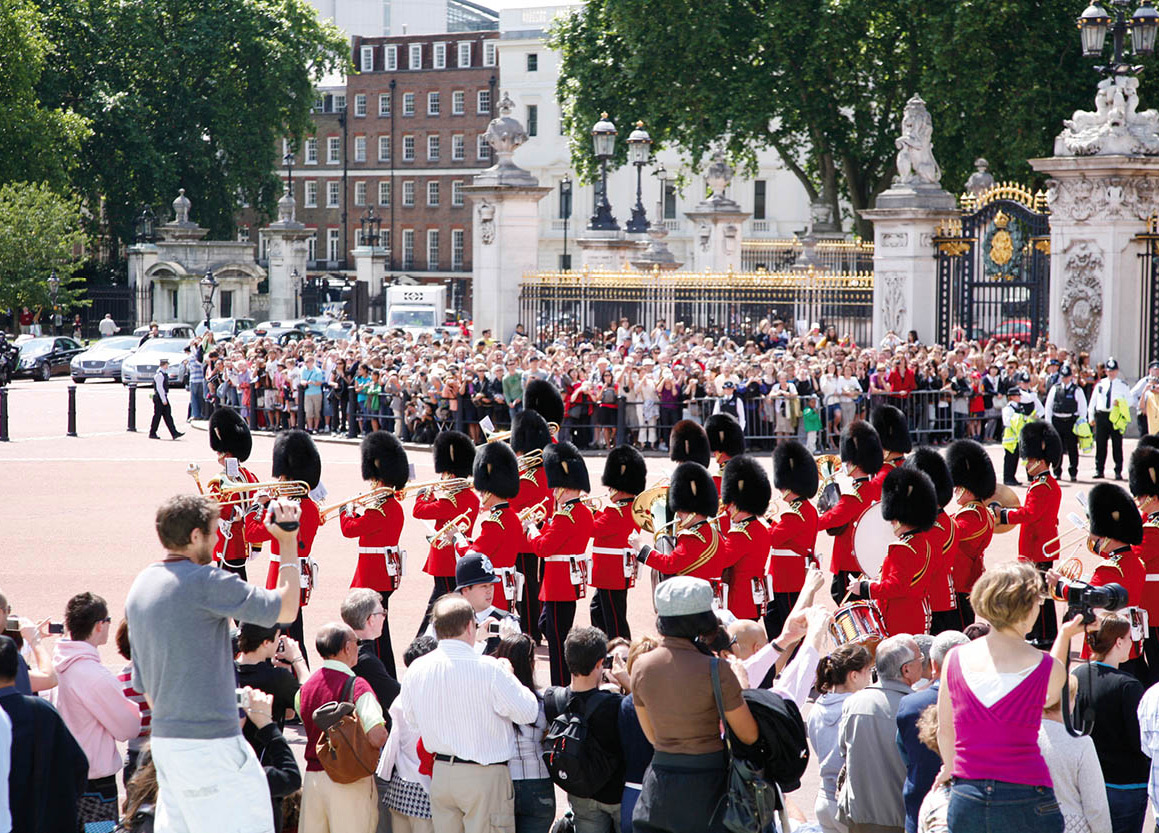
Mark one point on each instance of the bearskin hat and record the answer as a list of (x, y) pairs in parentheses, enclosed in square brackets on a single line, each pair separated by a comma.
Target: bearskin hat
[(454, 453), (625, 470), (892, 428), (229, 434), (1151, 440), (1113, 514), (692, 490), (861, 446), (1143, 471), (384, 460), (908, 496), (971, 468), (724, 434), (543, 397), (795, 469), (1040, 441), (497, 470), (934, 465), (529, 432), (746, 484), (565, 468), (296, 458), (688, 441)]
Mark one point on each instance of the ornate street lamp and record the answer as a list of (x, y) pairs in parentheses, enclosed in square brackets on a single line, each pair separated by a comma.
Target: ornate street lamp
[(1094, 22), (144, 227), (639, 151), (208, 286), (371, 228), (289, 160), (565, 212), (604, 142), (54, 288)]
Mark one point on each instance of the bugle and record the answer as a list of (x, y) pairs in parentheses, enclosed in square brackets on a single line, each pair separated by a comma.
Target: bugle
[(505, 436), (530, 461), (243, 492), (446, 534), (535, 514), (448, 488), (594, 503), (372, 499)]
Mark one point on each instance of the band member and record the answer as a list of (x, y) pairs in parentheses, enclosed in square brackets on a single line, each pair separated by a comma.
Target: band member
[(230, 437), (973, 475), (295, 458), (745, 494), (892, 427), (688, 441), (378, 528), (1016, 414), (1144, 478), (1116, 528), (562, 545), (544, 398), (529, 435), (692, 496), (496, 479), (613, 561), (725, 441), (909, 501), (476, 582), (943, 542), (862, 455), (454, 455), (793, 535), (1041, 448), (1066, 405), (1109, 410)]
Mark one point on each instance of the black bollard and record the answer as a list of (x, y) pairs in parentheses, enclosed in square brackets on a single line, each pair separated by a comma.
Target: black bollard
[(132, 407), (72, 411), (4, 414), (621, 421), (302, 406), (352, 413)]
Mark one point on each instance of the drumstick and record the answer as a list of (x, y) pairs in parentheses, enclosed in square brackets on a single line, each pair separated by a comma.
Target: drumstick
[(849, 593)]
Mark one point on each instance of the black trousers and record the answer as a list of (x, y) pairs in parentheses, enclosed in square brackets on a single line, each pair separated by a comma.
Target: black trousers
[(965, 609), (1151, 655), (946, 621), (530, 566), (1045, 628), (555, 621), (838, 585), (382, 646), (1103, 431), (296, 631), (162, 411), (682, 792), (1009, 465), (779, 608), (609, 612), (443, 585), (1070, 444)]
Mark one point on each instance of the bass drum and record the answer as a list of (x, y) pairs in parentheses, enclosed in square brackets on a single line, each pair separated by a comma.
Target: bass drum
[(871, 537)]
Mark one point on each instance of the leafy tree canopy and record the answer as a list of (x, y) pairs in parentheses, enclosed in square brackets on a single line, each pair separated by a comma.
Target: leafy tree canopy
[(40, 232)]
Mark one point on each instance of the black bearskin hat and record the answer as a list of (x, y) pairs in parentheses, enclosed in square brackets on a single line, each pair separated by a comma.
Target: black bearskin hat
[(543, 397), (625, 470), (1040, 441), (1143, 471), (1151, 440), (934, 465), (454, 453), (795, 469), (746, 484), (907, 496), (228, 433), (688, 441), (497, 470), (692, 490), (861, 446), (971, 468), (384, 460), (1113, 514), (565, 468), (892, 428), (529, 432), (296, 458), (724, 434)]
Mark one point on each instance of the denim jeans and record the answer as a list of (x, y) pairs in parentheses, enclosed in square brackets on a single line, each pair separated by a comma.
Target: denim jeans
[(534, 804), (991, 805), (1128, 808), (627, 803), (197, 400), (595, 817)]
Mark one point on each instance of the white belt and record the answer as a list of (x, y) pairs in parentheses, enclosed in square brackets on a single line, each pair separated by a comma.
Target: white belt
[(1151, 577), (503, 571), (579, 557), (783, 552), (370, 551), (612, 551), (634, 785)]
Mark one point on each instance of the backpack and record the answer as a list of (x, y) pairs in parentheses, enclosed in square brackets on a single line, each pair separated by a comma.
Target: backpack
[(576, 760), (343, 749)]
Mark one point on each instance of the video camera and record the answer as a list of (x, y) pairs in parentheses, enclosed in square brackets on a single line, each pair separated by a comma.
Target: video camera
[(1081, 598)]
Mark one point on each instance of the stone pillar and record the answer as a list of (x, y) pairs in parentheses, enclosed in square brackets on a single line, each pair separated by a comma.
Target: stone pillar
[(141, 257), (718, 222), (610, 250), (370, 267), (505, 234), (287, 251)]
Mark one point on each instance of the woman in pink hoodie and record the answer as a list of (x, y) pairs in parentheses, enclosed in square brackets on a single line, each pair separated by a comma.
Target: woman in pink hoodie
[(93, 706)]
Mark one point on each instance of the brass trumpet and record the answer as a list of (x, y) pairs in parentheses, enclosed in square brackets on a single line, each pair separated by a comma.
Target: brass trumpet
[(449, 487), (530, 461), (446, 534), (370, 500), (536, 514), (239, 493), (505, 436), (594, 503)]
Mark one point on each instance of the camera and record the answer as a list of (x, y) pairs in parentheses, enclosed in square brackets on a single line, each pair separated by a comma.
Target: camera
[(13, 624), (1081, 598), (607, 661), (243, 699)]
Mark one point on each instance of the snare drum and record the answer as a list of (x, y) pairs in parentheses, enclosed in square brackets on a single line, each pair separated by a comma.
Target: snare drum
[(858, 622)]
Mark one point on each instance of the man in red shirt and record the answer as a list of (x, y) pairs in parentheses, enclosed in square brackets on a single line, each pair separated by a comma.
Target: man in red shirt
[(793, 535), (613, 561), (972, 472), (230, 438), (893, 429), (1143, 472), (943, 601), (862, 455), (496, 480), (745, 495)]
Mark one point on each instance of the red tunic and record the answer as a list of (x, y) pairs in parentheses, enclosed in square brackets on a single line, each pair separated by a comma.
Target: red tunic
[(562, 544), (308, 523), (612, 527), (792, 540), (944, 551), (532, 490), (232, 544), (1148, 553), (441, 561), (377, 530), (744, 553), (697, 553), (1039, 519), (1126, 569), (848, 509), (888, 466), (905, 578), (974, 527), (723, 522)]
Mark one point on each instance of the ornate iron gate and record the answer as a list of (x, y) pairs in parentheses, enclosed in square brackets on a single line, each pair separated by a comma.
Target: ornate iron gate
[(994, 268), (1149, 295)]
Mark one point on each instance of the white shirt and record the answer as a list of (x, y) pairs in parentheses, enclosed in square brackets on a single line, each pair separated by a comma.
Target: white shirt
[(159, 386), (1080, 400), (107, 327), (1098, 402), (1139, 387), (463, 704)]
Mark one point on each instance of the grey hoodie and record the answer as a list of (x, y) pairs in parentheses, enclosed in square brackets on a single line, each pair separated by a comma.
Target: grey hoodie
[(823, 725)]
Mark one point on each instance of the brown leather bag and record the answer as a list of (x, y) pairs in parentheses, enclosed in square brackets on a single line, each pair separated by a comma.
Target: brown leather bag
[(343, 749)]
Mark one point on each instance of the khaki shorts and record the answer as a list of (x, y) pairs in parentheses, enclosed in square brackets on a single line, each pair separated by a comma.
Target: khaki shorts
[(313, 406)]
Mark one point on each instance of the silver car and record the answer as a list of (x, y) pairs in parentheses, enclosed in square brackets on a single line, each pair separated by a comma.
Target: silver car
[(103, 359), (142, 363)]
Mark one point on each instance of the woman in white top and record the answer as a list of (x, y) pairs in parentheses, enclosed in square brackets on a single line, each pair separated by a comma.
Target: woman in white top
[(408, 792), (848, 391), (831, 401), (534, 790), (1074, 770)]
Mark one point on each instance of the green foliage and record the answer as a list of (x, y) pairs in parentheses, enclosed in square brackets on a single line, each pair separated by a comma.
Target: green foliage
[(40, 231)]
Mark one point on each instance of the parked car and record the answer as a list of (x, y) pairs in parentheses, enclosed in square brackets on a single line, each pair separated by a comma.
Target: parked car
[(171, 330), (225, 329), (1014, 330), (142, 363), (339, 331), (102, 360), (45, 356)]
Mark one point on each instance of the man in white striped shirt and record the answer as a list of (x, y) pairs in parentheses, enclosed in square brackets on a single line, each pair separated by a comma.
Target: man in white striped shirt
[(464, 706)]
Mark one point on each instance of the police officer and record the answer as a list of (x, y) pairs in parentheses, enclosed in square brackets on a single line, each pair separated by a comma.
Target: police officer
[(1109, 390), (1066, 404), (1014, 416)]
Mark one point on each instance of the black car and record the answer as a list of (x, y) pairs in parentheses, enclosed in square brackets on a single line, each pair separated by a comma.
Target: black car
[(42, 357)]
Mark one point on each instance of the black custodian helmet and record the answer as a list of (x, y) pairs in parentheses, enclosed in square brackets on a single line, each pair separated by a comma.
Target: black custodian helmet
[(1040, 441), (454, 454), (861, 446), (934, 465), (228, 434), (1143, 471), (907, 496), (496, 470), (1113, 514), (565, 468), (971, 468), (692, 490), (688, 442), (544, 398), (724, 434), (529, 432), (892, 428)]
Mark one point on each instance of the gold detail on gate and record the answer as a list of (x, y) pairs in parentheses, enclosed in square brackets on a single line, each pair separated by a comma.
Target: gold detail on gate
[(1001, 244)]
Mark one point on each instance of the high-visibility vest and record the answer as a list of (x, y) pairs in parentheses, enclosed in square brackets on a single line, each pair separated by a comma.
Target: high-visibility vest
[(1083, 432), (1120, 414), (1011, 433)]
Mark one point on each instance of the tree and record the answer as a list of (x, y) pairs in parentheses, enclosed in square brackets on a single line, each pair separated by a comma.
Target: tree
[(40, 232), (824, 82)]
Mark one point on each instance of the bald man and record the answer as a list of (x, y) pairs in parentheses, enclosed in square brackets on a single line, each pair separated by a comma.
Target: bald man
[(749, 637)]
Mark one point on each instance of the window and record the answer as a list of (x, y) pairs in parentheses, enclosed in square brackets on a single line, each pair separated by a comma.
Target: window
[(482, 148), (312, 248), (432, 248), (408, 193), (339, 102), (464, 53), (458, 147), (319, 104), (384, 192), (458, 102), (488, 53), (440, 56), (384, 149), (457, 241), (360, 104), (433, 146), (367, 62), (408, 104), (243, 234), (759, 187), (432, 192), (408, 149), (311, 151), (533, 120), (456, 193), (359, 148), (333, 149), (360, 193), (384, 104), (390, 56), (532, 62), (311, 194), (669, 202), (408, 248), (432, 104), (333, 194), (332, 245), (416, 57), (483, 103)]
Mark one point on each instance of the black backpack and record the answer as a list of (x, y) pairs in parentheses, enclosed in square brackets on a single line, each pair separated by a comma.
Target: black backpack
[(576, 760)]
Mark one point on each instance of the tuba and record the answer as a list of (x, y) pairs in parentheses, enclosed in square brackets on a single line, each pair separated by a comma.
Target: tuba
[(827, 468), (650, 508)]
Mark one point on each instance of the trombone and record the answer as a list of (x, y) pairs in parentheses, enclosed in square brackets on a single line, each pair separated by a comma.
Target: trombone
[(1080, 526), (505, 436), (243, 492)]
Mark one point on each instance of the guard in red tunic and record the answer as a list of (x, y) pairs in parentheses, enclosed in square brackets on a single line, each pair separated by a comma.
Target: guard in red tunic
[(529, 434), (454, 455), (861, 453), (697, 547), (1116, 528), (725, 441), (1143, 471), (745, 550), (793, 535), (1041, 448), (973, 475), (613, 560), (562, 545), (909, 501), (893, 429), (230, 437), (943, 600), (500, 538)]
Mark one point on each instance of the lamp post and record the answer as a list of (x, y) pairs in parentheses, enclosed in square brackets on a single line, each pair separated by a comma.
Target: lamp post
[(54, 288), (565, 212), (639, 150), (1094, 22), (145, 225), (208, 286), (604, 142), (371, 228), (662, 175)]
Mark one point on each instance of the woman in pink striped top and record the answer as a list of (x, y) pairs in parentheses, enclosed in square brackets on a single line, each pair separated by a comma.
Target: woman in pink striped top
[(990, 710)]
